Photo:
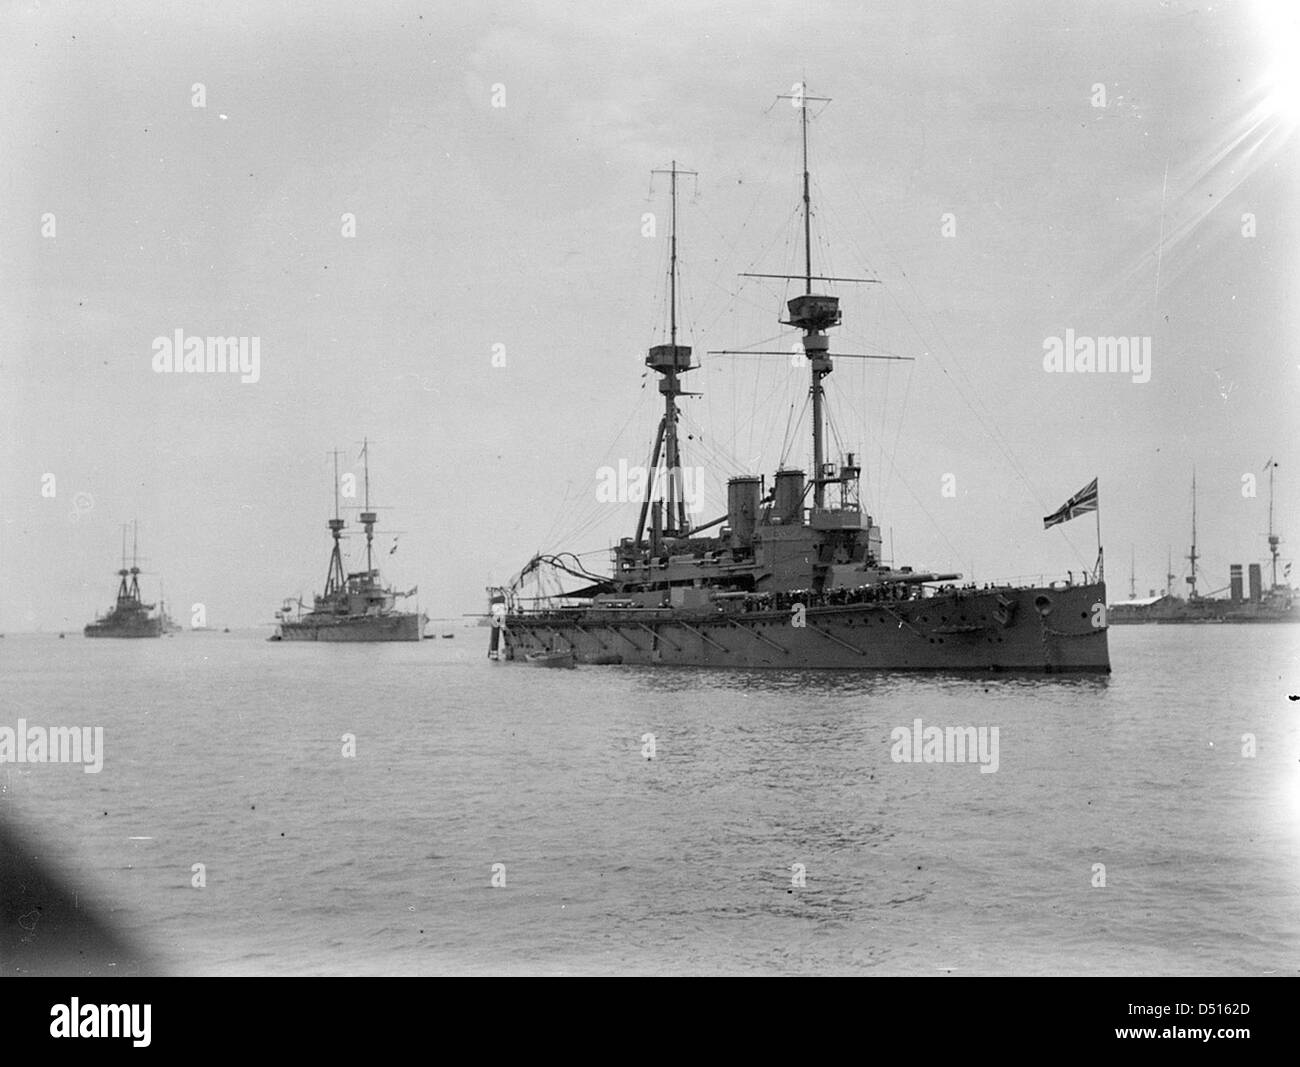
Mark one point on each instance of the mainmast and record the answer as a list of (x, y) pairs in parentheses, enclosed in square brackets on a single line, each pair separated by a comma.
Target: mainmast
[(668, 361), (368, 517), (1193, 556), (123, 592), (335, 580), (814, 315), (807, 200)]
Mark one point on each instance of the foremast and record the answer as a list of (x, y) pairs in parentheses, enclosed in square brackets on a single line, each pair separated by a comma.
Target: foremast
[(123, 587), (335, 581), (668, 361), (128, 586), (1273, 539)]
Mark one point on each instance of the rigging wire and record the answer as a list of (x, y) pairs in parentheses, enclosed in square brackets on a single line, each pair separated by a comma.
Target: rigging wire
[(986, 422)]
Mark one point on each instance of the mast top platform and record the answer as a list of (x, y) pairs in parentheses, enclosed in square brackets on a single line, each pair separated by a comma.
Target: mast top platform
[(667, 359), (811, 311)]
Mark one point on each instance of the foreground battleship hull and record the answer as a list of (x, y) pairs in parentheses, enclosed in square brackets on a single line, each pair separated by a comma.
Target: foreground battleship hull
[(1042, 629), (372, 628)]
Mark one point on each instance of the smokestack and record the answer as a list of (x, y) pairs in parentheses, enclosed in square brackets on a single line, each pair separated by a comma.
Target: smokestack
[(1256, 584), (1234, 582), (788, 497), (742, 509)]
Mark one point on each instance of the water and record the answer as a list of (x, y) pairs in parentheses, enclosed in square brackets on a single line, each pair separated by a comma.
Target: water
[(226, 750)]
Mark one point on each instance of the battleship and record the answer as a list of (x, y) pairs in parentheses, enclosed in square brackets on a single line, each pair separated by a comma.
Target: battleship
[(356, 606), (1247, 599), (1279, 602), (129, 616), (792, 576), (169, 625), (1169, 607)]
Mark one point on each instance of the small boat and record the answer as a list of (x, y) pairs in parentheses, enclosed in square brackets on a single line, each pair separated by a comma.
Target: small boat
[(448, 637), (551, 659)]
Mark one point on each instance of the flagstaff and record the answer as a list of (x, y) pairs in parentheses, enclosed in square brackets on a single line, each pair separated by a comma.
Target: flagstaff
[(1101, 560), (1084, 501)]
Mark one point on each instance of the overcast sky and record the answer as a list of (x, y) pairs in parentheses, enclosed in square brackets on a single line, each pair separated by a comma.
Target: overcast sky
[(964, 161)]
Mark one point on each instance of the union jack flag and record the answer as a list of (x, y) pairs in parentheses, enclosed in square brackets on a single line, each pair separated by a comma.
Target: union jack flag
[(1084, 501)]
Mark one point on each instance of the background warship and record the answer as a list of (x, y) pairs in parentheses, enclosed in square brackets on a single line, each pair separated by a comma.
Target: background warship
[(357, 606), (793, 576), (1247, 599), (129, 616)]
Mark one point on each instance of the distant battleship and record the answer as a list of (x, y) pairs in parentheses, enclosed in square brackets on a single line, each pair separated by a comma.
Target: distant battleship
[(1247, 601), (355, 607), (1169, 607), (787, 582), (1278, 603), (129, 616), (169, 625)]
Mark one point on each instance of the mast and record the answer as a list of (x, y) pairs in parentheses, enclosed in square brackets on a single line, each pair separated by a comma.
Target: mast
[(122, 591), (1272, 537), (672, 261), (368, 517), (134, 591), (668, 361), (819, 445), (1132, 574), (813, 314), (807, 202), (334, 580), (674, 494), (1193, 556)]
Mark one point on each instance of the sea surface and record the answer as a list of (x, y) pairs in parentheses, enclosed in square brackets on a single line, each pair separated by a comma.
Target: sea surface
[(771, 832)]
